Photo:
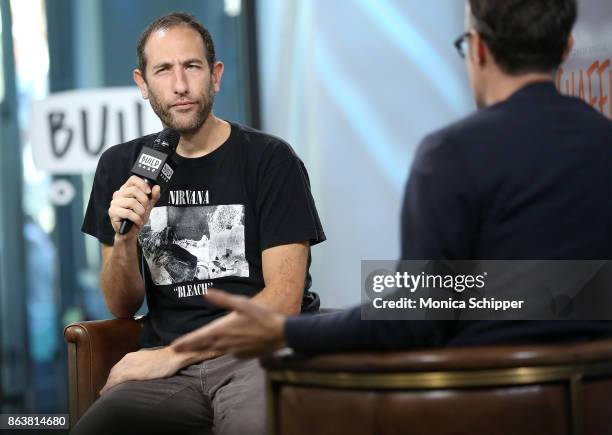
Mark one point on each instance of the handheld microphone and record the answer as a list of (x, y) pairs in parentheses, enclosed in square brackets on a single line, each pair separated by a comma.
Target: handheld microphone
[(154, 165)]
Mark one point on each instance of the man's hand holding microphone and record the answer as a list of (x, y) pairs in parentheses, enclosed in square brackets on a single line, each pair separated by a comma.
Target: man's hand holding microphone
[(133, 202)]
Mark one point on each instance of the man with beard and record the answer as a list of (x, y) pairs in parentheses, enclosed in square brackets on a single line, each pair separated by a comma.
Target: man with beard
[(224, 170)]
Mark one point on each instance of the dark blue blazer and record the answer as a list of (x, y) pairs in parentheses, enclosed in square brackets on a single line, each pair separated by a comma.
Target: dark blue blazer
[(527, 178)]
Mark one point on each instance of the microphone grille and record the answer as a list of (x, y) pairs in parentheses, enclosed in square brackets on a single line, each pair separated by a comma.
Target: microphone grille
[(168, 138)]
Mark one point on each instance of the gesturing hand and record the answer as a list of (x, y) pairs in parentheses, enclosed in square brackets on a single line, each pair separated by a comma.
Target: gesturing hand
[(251, 330)]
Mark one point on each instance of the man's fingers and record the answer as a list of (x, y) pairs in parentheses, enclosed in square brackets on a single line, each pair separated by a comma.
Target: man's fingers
[(132, 192), (138, 182), (226, 344), (118, 213), (234, 344), (110, 382), (130, 203), (112, 379), (207, 338), (241, 349), (198, 340), (226, 300)]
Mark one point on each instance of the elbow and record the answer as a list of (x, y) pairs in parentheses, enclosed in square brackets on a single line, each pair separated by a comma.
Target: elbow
[(123, 315), (287, 306), (122, 306), (294, 308), (121, 312)]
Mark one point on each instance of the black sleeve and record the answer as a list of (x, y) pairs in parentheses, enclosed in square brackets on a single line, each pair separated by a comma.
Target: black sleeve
[(97, 222), (285, 206), (344, 331), (439, 213)]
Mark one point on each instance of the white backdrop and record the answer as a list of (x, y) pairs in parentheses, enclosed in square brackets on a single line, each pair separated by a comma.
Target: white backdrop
[(354, 85)]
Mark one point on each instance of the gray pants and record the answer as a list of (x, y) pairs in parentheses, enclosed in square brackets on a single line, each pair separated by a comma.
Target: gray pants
[(221, 396)]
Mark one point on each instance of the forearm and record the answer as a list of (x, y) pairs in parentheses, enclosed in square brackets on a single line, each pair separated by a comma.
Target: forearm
[(120, 280), (346, 331)]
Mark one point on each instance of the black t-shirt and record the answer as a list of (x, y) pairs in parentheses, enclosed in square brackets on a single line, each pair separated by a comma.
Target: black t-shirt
[(209, 227)]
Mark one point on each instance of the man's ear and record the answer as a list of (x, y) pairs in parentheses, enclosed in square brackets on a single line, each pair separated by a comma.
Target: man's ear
[(141, 83), (480, 52), (568, 47), (217, 73)]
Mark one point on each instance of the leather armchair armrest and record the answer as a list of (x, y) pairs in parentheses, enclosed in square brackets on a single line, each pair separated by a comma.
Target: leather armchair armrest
[(510, 389), (94, 347), (447, 359)]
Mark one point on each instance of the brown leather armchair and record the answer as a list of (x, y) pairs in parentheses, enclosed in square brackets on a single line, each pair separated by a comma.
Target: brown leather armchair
[(546, 389), (553, 389), (93, 349)]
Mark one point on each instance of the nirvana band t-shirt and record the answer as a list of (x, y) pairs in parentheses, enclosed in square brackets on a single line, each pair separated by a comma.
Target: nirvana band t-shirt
[(209, 227)]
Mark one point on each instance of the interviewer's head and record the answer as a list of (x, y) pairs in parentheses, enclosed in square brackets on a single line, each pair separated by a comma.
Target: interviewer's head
[(514, 38)]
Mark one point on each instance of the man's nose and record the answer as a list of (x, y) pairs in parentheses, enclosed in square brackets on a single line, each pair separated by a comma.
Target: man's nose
[(180, 82)]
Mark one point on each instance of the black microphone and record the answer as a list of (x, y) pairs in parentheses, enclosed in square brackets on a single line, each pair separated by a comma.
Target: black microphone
[(154, 165)]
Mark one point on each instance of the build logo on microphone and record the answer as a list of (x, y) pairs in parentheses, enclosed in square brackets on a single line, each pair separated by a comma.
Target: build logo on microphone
[(148, 162), (167, 172)]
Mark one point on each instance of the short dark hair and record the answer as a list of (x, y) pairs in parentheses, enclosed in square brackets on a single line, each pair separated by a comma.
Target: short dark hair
[(525, 35), (168, 21)]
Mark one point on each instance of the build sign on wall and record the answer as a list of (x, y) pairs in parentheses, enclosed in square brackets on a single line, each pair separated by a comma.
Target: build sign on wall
[(71, 129)]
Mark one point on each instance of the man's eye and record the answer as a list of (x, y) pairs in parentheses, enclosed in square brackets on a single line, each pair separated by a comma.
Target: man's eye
[(193, 66)]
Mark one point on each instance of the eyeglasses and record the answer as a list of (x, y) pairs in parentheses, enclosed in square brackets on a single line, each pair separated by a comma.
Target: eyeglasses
[(461, 44)]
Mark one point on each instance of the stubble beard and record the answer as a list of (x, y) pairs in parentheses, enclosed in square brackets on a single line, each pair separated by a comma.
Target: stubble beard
[(191, 125)]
